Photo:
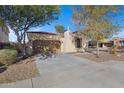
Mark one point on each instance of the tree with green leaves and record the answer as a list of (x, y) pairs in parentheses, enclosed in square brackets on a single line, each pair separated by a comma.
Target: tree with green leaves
[(59, 28), (21, 18), (96, 22)]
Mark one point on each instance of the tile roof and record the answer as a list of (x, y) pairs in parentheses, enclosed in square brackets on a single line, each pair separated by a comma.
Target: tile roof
[(41, 32)]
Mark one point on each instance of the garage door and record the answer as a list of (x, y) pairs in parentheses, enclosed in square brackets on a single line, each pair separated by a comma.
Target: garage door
[(44, 46)]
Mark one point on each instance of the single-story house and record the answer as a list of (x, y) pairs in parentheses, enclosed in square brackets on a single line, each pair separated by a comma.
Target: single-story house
[(102, 43), (67, 42), (118, 41), (105, 43)]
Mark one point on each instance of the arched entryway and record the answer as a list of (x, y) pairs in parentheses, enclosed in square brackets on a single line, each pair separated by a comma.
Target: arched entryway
[(78, 42)]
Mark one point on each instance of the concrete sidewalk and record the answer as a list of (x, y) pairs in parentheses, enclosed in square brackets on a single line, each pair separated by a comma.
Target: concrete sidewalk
[(66, 71)]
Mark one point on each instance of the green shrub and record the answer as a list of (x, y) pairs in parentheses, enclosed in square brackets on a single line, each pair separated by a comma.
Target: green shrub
[(13, 46), (7, 56)]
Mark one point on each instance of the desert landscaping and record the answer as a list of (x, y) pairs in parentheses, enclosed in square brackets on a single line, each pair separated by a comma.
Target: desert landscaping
[(22, 70), (60, 46), (104, 56)]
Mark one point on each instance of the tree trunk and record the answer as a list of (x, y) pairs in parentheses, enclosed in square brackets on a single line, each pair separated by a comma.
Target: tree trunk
[(97, 55), (24, 44), (19, 40), (20, 44), (87, 45)]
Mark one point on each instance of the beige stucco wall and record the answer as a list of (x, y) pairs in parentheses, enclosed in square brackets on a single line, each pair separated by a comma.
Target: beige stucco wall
[(68, 44), (62, 48)]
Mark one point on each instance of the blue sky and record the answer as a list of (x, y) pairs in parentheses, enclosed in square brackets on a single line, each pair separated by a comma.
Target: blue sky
[(66, 19)]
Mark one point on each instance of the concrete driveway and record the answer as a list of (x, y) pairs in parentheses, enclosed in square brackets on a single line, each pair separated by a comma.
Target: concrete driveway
[(68, 71)]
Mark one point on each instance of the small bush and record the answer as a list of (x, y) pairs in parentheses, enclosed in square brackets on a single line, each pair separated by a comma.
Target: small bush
[(113, 50), (8, 56)]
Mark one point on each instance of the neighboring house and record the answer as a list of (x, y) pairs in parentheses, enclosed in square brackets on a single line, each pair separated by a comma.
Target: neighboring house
[(118, 41), (4, 35), (105, 43), (68, 42), (102, 43)]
